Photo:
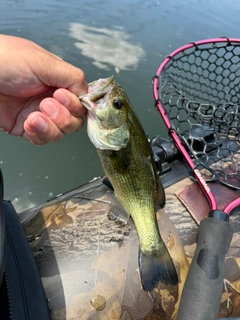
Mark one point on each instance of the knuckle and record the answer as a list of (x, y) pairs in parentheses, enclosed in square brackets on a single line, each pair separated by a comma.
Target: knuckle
[(67, 126), (72, 124)]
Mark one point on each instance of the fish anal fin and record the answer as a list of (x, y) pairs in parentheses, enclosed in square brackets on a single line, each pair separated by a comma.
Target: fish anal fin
[(156, 266), (117, 211)]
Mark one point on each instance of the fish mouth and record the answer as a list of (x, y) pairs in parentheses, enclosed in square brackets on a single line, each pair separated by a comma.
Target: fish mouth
[(97, 93), (100, 84)]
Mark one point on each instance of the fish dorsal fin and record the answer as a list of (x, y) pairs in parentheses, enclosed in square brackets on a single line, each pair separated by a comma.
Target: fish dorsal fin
[(117, 211)]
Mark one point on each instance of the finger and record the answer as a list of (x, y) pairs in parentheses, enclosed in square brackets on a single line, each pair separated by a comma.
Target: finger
[(61, 116), (34, 139), (61, 74), (70, 101), (39, 129)]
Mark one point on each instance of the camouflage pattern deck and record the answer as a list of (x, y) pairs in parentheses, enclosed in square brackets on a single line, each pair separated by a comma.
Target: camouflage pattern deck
[(89, 264)]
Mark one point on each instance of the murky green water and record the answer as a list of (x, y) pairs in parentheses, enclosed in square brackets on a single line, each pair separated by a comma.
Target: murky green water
[(127, 38)]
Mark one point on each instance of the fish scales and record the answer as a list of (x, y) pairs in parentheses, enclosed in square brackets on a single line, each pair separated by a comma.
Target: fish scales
[(128, 162), (138, 201)]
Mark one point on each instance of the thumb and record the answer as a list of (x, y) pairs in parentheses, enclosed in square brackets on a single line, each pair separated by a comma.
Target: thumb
[(61, 74)]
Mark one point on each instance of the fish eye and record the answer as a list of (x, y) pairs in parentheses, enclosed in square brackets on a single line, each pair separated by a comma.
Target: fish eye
[(117, 103)]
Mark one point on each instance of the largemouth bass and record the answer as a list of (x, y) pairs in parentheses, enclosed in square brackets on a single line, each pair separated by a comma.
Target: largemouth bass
[(127, 160)]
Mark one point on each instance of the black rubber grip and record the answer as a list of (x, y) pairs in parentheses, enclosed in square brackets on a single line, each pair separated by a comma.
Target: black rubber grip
[(2, 231), (2, 243), (202, 291), (26, 296)]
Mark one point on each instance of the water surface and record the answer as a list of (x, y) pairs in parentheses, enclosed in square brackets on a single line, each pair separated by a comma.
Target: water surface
[(127, 39)]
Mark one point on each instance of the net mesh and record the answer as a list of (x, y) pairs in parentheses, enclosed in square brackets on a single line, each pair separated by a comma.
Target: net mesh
[(199, 88)]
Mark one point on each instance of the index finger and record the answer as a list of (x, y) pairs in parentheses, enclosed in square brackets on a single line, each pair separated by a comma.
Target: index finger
[(70, 101)]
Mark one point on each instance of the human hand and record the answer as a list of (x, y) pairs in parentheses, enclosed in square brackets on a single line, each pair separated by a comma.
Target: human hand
[(38, 92)]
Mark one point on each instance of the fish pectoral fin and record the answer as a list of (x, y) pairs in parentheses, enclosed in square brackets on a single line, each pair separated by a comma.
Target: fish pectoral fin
[(160, 199), (107, 183), (117, 211), (156, 265)]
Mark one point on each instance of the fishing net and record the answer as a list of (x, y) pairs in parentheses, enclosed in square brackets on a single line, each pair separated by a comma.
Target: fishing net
[(199, 90)]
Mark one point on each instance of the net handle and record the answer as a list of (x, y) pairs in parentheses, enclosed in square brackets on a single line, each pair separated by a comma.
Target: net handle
[(202, 290)]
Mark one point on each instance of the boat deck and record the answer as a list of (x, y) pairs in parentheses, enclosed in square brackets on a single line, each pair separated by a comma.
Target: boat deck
[(89, 264)]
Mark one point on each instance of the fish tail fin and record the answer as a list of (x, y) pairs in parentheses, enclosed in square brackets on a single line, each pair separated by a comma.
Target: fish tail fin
[(155, 266)]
